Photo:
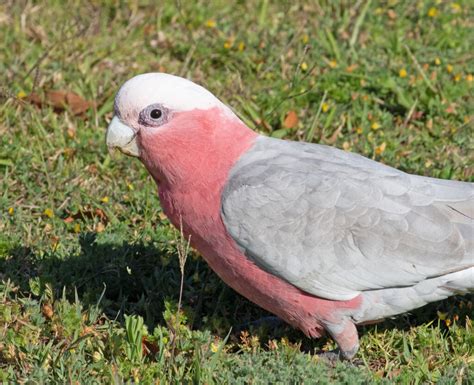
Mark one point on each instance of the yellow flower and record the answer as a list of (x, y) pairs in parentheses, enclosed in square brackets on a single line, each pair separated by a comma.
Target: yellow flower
[(449, 68), (97, 356), (241, 46), (49, 213), (470, 78), (359, 130), (11, 210), (214, 347), (441, 315), (437, 61), (305, 38), (21, 95), (304, 66), (448, 322), (105, 199), (432, 12), (333, 64), (227, 44), (130, 187), (457, 77), (77, 228), (375, 126), (381, 148), (325, 107), (403, 73), (211, 23), (455, 7)]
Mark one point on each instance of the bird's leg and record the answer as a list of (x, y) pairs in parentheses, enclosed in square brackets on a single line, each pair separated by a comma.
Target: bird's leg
[(346, 337)]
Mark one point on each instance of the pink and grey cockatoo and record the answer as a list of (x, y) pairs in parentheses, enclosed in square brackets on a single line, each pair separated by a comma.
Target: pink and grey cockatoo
[(323, 238)]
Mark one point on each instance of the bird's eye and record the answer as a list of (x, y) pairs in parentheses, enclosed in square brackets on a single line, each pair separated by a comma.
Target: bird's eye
[(155, 113)]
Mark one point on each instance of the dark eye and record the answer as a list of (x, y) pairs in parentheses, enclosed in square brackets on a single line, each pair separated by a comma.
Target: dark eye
[(156, 114)]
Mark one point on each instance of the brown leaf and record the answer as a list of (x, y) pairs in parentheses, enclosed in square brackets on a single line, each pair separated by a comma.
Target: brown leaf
[(47, 311), (88, 213), (417, 115), (61, 101), (99, 227), (149, 348), (451, 109), (291, 119), (332, 139), (391, 14)]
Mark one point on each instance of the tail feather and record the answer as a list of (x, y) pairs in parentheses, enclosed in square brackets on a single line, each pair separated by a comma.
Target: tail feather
[(389, 302)]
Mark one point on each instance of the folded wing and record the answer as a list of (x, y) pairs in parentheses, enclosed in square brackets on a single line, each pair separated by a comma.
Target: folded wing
[(335, 224)]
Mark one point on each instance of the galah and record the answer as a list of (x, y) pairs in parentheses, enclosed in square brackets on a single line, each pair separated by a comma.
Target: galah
[(323, 238)]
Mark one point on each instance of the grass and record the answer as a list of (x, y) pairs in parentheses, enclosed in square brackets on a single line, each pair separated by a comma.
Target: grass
[(89, 269)]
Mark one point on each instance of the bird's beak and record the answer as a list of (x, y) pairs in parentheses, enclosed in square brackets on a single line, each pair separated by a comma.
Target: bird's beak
[(122, 137)]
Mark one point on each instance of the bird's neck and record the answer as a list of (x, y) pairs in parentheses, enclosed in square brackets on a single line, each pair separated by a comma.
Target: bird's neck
[(199, 151)]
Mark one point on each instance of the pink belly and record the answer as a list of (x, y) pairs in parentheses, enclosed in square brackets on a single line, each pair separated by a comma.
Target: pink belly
[(210, 238)]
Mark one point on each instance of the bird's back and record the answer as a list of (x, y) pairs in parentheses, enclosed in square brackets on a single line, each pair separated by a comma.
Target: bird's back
[(336, 224)]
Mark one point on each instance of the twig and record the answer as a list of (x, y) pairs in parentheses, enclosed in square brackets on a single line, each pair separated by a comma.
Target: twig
[(420, 70), (310, 133), (358, 24), (183, 250), (410, 113)]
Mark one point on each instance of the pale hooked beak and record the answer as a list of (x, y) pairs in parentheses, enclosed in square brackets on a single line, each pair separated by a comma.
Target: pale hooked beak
[(121, 136)]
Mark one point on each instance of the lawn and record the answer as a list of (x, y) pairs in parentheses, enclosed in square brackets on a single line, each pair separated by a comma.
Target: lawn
[(89, 269)]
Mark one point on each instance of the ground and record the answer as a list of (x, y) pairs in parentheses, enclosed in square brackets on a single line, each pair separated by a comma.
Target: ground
[(89, 270)]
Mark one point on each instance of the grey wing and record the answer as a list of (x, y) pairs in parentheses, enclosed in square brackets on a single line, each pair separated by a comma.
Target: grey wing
[(334, 223)]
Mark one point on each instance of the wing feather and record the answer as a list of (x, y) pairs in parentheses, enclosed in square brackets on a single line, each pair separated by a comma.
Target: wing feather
[(334, 223)]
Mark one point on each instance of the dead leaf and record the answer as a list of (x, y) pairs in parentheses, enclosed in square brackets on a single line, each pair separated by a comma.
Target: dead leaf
[(88, 213), (36, 32), (149, 348), (351, 68), (391, 14), (417, 115), (332, 139), (451, 109), (291, 120), (47, 311), (60, 101), (99, 227)]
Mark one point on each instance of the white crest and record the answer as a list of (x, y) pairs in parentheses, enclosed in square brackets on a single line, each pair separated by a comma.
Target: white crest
[(171, 91)]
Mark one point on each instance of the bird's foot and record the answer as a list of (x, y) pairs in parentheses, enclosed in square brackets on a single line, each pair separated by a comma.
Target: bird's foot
[(346, 337), (332, 357)]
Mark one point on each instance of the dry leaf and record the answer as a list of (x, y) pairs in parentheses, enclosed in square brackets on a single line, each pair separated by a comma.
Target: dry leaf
[(451, 109), (391, 14), (61, 101), (332, 139), (149, 348), (99, 227), (87, 213), (291, 119), (47, 311), (417, 115)]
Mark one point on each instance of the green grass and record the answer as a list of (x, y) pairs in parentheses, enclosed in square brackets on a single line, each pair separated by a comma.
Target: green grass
[(89, 272)]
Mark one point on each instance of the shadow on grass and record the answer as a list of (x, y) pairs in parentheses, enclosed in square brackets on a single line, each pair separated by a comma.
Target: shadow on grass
[(139, 278)]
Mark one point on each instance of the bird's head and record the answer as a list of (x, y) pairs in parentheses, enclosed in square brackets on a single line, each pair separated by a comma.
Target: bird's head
[(173, 125), (148, 105)]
